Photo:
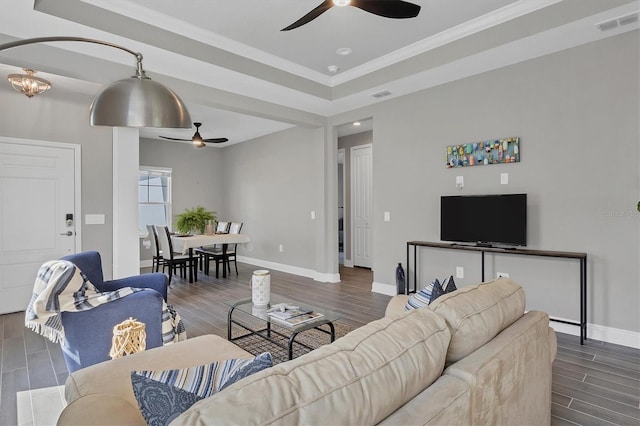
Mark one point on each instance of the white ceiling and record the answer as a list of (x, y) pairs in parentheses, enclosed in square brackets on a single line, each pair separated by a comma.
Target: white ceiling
[(242, 77)]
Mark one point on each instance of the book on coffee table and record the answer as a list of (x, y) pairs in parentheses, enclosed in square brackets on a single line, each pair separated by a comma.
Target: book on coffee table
[(289, 313), (298, 319)]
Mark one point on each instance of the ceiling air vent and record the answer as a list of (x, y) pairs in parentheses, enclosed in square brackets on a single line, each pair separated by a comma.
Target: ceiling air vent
[(614, 23), (607, 25), (628, 19), (381, 94)]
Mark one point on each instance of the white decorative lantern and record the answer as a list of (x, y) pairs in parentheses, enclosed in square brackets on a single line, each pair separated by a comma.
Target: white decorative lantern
[(260, 288)]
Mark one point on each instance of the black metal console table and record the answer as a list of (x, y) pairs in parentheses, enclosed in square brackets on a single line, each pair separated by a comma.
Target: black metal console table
[(582, 257)]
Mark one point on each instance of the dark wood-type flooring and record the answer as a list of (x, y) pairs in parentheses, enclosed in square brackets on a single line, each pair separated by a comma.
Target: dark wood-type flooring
[(594, 384)]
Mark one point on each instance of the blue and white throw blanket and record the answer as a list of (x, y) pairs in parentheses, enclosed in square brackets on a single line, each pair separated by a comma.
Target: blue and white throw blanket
[(61, 287)]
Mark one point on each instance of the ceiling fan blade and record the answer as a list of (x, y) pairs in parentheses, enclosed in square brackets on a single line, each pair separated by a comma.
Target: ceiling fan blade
[(216, 140), (175, 139), (326, 5), (396, 9)]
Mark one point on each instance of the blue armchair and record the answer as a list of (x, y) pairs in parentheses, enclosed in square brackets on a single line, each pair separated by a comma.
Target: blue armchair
[(88, 334)]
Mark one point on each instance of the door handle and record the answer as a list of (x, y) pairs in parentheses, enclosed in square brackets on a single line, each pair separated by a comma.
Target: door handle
[(68, 233)]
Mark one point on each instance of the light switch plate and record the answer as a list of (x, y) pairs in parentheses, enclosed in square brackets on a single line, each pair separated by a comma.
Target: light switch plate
[(459, 272), (459, 182), (94, 219), (387, 216), (504, 178)]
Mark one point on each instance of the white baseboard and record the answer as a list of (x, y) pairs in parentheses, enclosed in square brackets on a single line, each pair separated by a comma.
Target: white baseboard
[(389, 290), (602, 333), (309, 273), (146, 263)]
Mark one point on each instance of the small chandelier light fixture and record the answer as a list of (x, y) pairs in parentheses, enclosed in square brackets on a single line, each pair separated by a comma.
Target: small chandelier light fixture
[(28, 83)]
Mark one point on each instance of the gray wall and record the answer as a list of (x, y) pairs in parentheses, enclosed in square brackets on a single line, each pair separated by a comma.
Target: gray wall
[(347, 142), (269, 185), (577, 114), (197, 177), (48, 117)]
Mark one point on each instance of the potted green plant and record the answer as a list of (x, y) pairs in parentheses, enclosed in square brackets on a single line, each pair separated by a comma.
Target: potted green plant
[(194, 220)]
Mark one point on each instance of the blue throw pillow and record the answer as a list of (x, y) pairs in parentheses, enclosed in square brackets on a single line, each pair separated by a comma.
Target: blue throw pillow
[(164, 395), (449, 285), (436, 292)]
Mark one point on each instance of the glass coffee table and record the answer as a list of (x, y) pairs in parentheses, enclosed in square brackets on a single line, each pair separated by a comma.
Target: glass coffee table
[(257, 322)]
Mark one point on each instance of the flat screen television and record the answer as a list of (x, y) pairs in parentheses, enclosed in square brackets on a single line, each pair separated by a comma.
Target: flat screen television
[(484, 219)]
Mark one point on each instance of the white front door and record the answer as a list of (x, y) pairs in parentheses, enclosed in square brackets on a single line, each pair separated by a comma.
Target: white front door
[(38, 213), (361, 203)]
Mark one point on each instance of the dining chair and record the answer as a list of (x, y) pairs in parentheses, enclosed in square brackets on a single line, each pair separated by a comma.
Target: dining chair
[(204, 251), (216, 253), (155, 249), (172, 260), (234, 228)]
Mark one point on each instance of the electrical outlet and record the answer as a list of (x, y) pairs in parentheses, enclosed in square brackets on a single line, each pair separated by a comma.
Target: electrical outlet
[(387, 216), (459, 272), (502, 274), (281, 248)]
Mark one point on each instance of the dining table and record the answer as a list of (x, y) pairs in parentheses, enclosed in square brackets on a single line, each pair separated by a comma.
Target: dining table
[(186, 243)]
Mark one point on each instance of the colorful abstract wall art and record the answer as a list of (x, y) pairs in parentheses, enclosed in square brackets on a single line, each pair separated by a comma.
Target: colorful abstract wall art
[(496, 151)]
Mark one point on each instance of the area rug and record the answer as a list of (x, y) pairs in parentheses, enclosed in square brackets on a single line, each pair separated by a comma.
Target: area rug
[(279, 353)]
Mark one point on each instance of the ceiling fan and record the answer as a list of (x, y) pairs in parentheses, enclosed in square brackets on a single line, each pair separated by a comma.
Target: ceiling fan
[(396, 9), (197, 139)]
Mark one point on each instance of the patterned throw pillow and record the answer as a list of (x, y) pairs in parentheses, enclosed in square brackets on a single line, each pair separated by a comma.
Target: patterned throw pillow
[(436, 292), (430, 293), (163, 395), (421, 298), (449, 285)]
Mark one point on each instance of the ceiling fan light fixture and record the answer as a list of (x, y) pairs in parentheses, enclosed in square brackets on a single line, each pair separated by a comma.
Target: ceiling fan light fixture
[(28, 83), (341, 2), (197, 139)]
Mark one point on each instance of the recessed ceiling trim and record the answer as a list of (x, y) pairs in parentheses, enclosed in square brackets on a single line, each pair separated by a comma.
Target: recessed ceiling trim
[(497, 17), (186, 29)]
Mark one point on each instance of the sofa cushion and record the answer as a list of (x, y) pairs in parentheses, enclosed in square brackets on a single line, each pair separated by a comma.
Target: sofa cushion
[(361, 378), (164, 395), (476, 314)]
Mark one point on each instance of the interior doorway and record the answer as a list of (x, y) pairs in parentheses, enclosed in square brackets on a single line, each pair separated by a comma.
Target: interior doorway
[(350, 135)]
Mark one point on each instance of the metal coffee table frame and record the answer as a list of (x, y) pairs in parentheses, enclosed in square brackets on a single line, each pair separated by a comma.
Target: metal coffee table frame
[(266, 332)]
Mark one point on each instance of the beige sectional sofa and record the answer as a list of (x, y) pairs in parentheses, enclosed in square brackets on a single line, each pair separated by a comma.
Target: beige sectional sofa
[(473, 357)]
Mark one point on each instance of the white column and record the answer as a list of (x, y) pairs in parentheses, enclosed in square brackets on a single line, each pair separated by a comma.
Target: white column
[(126, 253), (327, 198)]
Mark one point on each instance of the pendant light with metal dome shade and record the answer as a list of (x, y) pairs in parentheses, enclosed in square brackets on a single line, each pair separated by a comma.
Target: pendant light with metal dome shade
[(134, 102)]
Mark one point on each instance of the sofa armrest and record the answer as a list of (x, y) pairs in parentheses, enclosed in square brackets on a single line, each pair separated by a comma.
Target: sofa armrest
[(396, 305), (114, 377), (155, 281), (512, 374)]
